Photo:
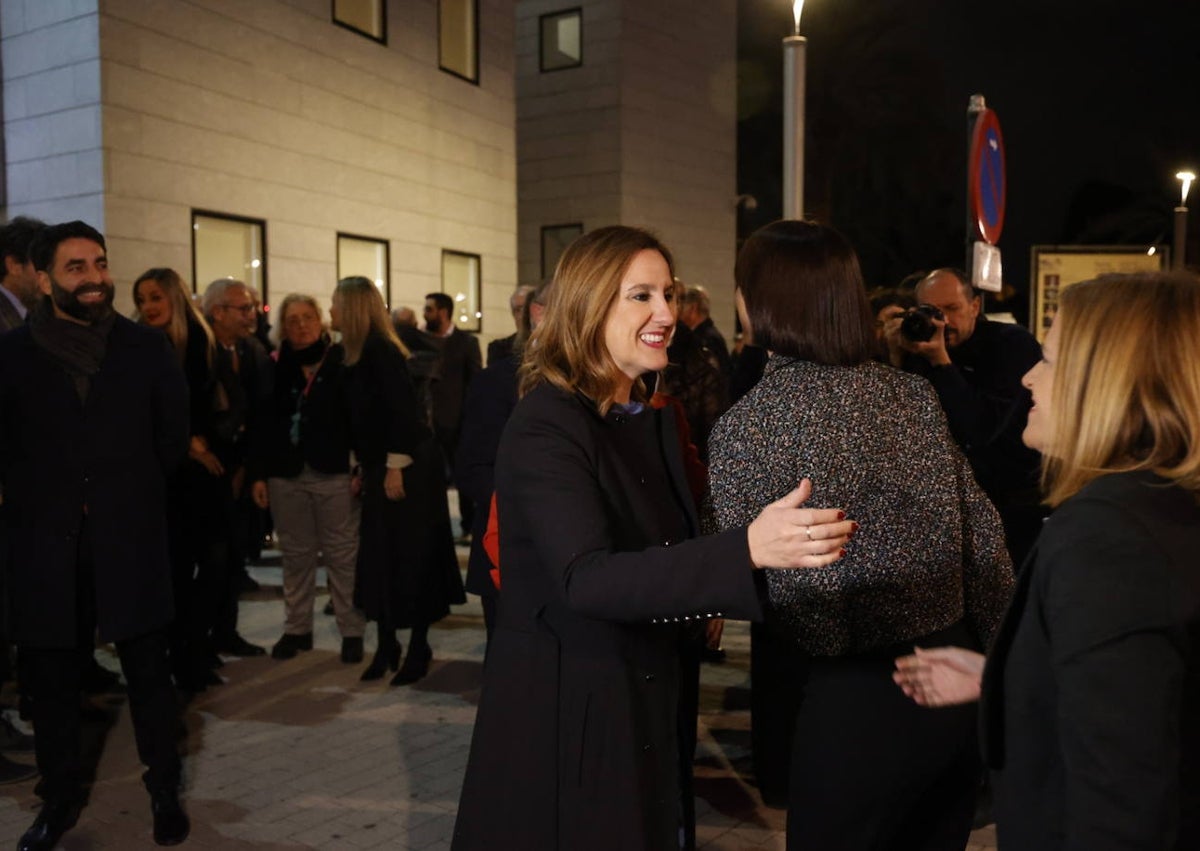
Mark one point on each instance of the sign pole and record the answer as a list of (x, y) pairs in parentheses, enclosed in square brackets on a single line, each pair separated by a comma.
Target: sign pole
[(975, 107)]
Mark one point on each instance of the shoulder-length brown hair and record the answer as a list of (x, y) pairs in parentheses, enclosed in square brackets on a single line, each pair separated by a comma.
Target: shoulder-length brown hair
[(567, 349), (182, 308), (362, 312), (804, 294), (1126, 392)]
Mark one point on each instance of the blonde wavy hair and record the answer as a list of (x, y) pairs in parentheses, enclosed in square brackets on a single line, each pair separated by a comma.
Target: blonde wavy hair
[(182, 306), (362, 312), (567, 349), (1126, 392)]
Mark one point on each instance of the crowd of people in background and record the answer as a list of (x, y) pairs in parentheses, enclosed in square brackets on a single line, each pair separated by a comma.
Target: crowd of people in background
[(862, 475)]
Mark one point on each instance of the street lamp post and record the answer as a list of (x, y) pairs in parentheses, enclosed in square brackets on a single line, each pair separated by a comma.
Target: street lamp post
[(1180, 246), (794, 47)]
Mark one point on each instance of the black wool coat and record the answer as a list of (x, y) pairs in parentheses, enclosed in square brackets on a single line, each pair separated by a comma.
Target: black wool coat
[(1091, 694), (575, 739), (109, 457)]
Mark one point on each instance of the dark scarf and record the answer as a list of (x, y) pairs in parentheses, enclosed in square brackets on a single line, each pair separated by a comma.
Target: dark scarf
[(310, 355), (78, 349)]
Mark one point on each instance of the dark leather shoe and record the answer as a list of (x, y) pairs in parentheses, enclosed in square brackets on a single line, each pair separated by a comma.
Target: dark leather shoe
[(352, 650), (171, 824), (416, 665), (55, 819), (289, 645), (235, 645), (15, 772)]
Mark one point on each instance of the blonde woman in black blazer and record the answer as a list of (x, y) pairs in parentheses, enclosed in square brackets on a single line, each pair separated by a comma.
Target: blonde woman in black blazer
[(1091, 691)]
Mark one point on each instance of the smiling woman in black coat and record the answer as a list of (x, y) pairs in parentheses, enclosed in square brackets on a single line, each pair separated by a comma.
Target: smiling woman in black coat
[(1091, 691), (575, 739)]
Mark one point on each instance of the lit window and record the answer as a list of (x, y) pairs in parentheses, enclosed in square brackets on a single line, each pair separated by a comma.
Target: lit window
[(555, 239), (366, 17), (561, 40), (366, 256), (458, 38), (225, 246), (461, 281)]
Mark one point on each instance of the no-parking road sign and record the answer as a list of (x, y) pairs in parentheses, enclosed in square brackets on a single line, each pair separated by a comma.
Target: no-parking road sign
[(986, 178)]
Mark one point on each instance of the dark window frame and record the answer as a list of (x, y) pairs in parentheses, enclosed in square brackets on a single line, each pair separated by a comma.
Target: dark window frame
[(387, 259), (576, 10), (383, 22), (542, 242), (478, 329), (475, 20), (231, 217)]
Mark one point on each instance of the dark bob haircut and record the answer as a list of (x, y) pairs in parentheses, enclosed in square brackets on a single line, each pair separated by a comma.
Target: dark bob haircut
[(45, 244), (804, 294)]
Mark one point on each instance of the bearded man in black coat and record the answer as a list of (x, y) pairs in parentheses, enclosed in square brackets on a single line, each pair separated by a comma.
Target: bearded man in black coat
[(93, 413)]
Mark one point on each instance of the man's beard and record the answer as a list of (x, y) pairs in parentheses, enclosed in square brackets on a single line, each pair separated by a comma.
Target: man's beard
[(68, 302), (434, 325)]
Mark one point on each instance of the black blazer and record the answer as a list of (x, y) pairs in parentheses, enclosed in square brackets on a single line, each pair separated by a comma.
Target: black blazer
[(325, 433), (383, 407), (111, 454), (1091, 694), (460, 361), (574, 746)]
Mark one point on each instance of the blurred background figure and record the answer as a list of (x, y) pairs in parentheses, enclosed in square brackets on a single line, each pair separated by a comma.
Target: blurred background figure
[(504, 346), (407, 572), (197, 491), (301, 469)]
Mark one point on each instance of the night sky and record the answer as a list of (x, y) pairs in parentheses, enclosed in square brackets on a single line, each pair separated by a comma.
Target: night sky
[(1099, 105)]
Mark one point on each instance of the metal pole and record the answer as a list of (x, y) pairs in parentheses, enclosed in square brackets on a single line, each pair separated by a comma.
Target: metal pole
[(1179, 248), (794, 47), (976, 105)]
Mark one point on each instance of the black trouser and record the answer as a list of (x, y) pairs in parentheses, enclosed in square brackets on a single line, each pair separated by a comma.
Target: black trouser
[(871, 770), (53, 680), (447, 438)]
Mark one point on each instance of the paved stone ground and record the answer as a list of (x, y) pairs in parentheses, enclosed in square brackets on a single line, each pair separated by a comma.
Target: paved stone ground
[(301, 755)]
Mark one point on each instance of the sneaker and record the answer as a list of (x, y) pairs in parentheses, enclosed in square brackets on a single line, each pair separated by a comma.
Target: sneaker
[(289, 645), (13, 740)]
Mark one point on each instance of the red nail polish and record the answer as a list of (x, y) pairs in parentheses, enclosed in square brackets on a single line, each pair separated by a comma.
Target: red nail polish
[(853, 528), (841, 515), (842, 552)]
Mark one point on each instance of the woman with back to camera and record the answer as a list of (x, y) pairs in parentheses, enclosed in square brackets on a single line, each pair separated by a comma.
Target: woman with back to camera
[(575, 743), (302, 471), (1091, 691), (193, 497), (407, 572), (868, 770)]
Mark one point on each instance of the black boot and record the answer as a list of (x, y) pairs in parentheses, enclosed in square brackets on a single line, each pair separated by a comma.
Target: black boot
[(171, 824), (57, 816), (387, 655), (416, 665), (352, 649)]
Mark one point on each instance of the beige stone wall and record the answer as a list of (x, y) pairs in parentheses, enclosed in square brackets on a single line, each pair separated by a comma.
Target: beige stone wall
[(643, 133), (50, 55), (266, 109)]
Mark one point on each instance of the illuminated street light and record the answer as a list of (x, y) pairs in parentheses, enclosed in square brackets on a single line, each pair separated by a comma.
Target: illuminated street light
[(794, 61), (1180, 247)]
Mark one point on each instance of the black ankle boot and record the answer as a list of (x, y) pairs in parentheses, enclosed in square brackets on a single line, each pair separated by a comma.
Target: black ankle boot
[(386, 656), (416, 665), (352, 649), (171, 824), (57, 816)]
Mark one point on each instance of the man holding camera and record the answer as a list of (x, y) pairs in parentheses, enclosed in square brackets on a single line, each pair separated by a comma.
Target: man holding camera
[(976, 367)]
